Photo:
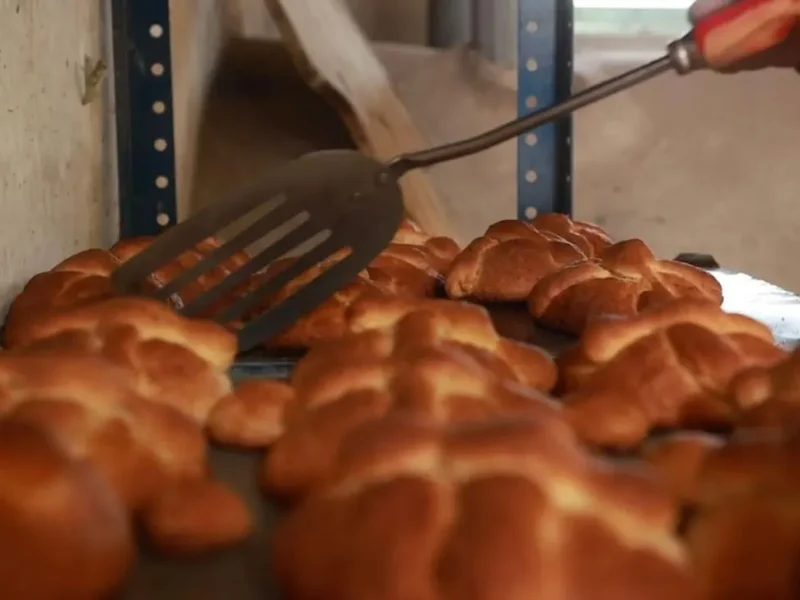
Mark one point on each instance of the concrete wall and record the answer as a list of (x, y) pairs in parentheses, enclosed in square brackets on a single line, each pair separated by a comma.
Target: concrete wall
[(707, 162), (54, 198)]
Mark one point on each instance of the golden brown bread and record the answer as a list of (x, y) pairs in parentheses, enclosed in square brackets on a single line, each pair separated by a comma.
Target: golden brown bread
[(63, 532), (327, 321), (413, 265), (625, 279), (747, 549), (251, 416), (502, 509), (438, 358), (667, 367), (147, 448), (89, 406), (769, 395), (678, 459), (84, 277), (429, 321), (173, 360), (589, 238), (442, 249), (506, 262), (744, 538), (744, 532), (425, 252), (405, 270), (196, 517), (439, 382)]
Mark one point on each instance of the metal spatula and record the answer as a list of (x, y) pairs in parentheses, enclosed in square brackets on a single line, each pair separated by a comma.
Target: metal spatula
[(353, 200), (339, 202)]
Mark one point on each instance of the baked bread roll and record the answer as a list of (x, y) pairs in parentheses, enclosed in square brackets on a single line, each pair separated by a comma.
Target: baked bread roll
[(505, 263), (625, 279), (411, 266), (747, 548), (442, 250), (252, 415), (196, 517), (413, 250), (63, 532), (88, 405), (84, 277), (428, 322), (441, 383), (327, 321), (588, 238), (769, 395), (668, 367), (678, 460), (169, 359), (503, 509), (745, 536)]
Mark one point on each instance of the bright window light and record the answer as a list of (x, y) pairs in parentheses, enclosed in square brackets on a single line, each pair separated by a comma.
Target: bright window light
[(634, 4)]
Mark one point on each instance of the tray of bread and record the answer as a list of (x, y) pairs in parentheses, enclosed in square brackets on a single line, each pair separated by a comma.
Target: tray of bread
[(545, 413)]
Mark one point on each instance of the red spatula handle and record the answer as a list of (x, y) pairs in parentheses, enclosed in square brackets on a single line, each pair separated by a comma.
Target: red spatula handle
[(740, 29)]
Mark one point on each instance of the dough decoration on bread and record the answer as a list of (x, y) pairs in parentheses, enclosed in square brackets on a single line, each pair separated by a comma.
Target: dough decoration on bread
[(500, 509), (440, 384), (668, 367), (623, 280), (85, 277), (505, 263), (436, 359), (171, 359), (768, 396), (430, 321), (128, 385)]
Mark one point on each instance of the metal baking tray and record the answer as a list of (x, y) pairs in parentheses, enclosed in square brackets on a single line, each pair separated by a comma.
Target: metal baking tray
[(243, 573)]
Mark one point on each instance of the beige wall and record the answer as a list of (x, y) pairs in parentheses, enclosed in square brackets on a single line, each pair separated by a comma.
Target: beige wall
[(53, 199)]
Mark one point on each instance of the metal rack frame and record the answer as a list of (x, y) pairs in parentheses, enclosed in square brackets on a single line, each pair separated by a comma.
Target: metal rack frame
[(544, 76), (144, 122)]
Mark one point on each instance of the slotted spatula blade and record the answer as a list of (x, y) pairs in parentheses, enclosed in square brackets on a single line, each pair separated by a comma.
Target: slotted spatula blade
[(342, 199)]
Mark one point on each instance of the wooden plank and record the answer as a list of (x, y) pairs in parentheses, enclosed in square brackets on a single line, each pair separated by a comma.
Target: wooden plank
[(336, 60)]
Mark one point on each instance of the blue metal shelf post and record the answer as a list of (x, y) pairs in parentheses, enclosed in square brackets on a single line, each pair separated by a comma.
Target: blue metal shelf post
[(544, 67), (143, 98)]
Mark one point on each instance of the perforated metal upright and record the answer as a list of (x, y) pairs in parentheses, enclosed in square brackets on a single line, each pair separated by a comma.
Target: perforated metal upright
[(143, 104), (544, 163)]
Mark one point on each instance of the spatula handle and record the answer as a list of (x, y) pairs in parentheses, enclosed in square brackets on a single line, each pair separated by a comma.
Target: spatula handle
[(426, 158)]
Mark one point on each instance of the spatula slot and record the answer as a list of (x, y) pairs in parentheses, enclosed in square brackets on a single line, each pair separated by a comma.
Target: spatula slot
[(247, 304), (264, 231), (300, 237), (306, 297)]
